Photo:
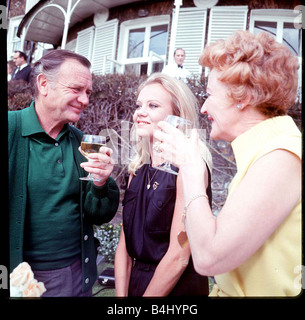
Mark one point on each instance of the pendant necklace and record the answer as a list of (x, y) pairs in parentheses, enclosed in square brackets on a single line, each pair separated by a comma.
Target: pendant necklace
[(155, 186)]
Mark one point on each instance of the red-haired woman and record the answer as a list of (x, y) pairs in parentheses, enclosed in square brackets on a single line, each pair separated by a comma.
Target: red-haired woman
[(253, 247)]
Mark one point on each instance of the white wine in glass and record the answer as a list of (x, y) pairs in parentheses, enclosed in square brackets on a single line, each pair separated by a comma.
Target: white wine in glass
[(183, 125), (91, 144)]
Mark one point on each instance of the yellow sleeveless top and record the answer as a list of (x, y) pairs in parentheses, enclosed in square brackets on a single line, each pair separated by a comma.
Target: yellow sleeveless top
[(274, 269)]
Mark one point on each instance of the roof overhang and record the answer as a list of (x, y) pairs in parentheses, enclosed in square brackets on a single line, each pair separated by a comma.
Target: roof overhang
[(48, 20)]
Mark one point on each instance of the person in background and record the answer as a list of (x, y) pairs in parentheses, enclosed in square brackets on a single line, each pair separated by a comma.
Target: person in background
[(254, 245), (149, 261), (10, 70), (51, 211), (23, 70), (176, 69)]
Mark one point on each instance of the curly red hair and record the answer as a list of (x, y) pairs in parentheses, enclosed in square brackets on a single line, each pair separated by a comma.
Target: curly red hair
[(255, 67)]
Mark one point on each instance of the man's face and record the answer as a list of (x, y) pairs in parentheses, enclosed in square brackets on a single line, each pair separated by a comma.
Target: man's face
[(18, 60), (179, 57), (68, 94)]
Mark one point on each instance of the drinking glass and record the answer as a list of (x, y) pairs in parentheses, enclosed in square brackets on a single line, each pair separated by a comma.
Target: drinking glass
[(183, 125), (91, 144)]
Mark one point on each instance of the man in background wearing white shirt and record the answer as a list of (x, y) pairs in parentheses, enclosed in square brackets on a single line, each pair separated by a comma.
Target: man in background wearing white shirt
[(177, 69)]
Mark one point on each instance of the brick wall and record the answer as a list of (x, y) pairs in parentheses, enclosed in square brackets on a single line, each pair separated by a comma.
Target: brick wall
[(17, 8)]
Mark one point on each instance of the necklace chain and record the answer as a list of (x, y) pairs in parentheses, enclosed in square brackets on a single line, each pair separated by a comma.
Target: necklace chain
[(149, 180)]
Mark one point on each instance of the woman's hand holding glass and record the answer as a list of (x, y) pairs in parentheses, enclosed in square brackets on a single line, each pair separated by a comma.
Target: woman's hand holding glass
[(183, 151), (184, 127), (100, 163), (176, 147)]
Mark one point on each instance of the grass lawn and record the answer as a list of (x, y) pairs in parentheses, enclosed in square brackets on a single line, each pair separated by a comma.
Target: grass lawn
[(99, 290), (106, 292)]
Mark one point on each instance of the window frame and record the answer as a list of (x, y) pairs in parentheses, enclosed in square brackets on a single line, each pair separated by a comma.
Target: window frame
[(146, 23), (11, 40), (280, 16)]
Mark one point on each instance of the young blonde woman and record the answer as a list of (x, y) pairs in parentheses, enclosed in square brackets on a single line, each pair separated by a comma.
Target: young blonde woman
[(149, 260)]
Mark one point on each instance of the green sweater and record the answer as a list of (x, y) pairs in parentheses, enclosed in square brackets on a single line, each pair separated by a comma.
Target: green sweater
[(97, 205)]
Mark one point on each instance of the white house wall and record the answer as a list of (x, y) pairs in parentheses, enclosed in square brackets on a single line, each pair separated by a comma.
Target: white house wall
[(190, 36), (84, 42), (192, 33), (224, 21), (105, 40)]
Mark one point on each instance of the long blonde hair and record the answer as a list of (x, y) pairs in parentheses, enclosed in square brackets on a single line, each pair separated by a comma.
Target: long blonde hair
[(184, 104)]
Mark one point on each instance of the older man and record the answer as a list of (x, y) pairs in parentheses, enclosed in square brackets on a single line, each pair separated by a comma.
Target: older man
[(51, 210)]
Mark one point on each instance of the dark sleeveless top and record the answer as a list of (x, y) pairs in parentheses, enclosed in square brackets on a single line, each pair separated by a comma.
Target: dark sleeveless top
[(147, 218)]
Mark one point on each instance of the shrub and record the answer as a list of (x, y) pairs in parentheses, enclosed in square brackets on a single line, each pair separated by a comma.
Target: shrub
[(108, 236), (111, 101), (19, 94)]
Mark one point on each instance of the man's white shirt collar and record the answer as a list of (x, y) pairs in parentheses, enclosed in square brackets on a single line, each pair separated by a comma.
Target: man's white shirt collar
[(22, 66)]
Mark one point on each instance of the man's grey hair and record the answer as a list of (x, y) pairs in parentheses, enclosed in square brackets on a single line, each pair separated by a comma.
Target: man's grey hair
[(50, 63)]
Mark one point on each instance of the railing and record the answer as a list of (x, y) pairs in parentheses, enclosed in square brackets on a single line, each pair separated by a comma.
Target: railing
[(153, 57), (113, 61), (151, 60)]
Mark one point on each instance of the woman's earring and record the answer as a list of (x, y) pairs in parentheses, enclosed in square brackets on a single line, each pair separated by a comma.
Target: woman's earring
[(239, 106)]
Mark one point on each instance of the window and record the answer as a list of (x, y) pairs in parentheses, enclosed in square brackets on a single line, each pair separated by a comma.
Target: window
[(265, 26), (13, 42), (280, 24), (16, 41), (140, 37), (158, 39), (136, 43), (292, 38)]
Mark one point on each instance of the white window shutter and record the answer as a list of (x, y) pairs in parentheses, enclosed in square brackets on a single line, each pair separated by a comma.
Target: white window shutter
[(191, 28), (104, 46), (84, 42), (225, 20)]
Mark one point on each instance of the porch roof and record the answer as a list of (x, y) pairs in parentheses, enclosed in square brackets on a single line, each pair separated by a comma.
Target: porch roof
[(45, 22)]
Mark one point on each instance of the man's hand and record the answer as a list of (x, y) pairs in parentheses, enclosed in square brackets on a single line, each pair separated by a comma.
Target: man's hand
[(100, 165)]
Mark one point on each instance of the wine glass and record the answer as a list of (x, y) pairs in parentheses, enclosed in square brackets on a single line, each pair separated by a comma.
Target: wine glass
[(182, 124), (91, 144)]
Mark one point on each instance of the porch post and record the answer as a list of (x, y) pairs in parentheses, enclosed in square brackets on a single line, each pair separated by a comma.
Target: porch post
[(66, 26), (177, 4), (67, 15)]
